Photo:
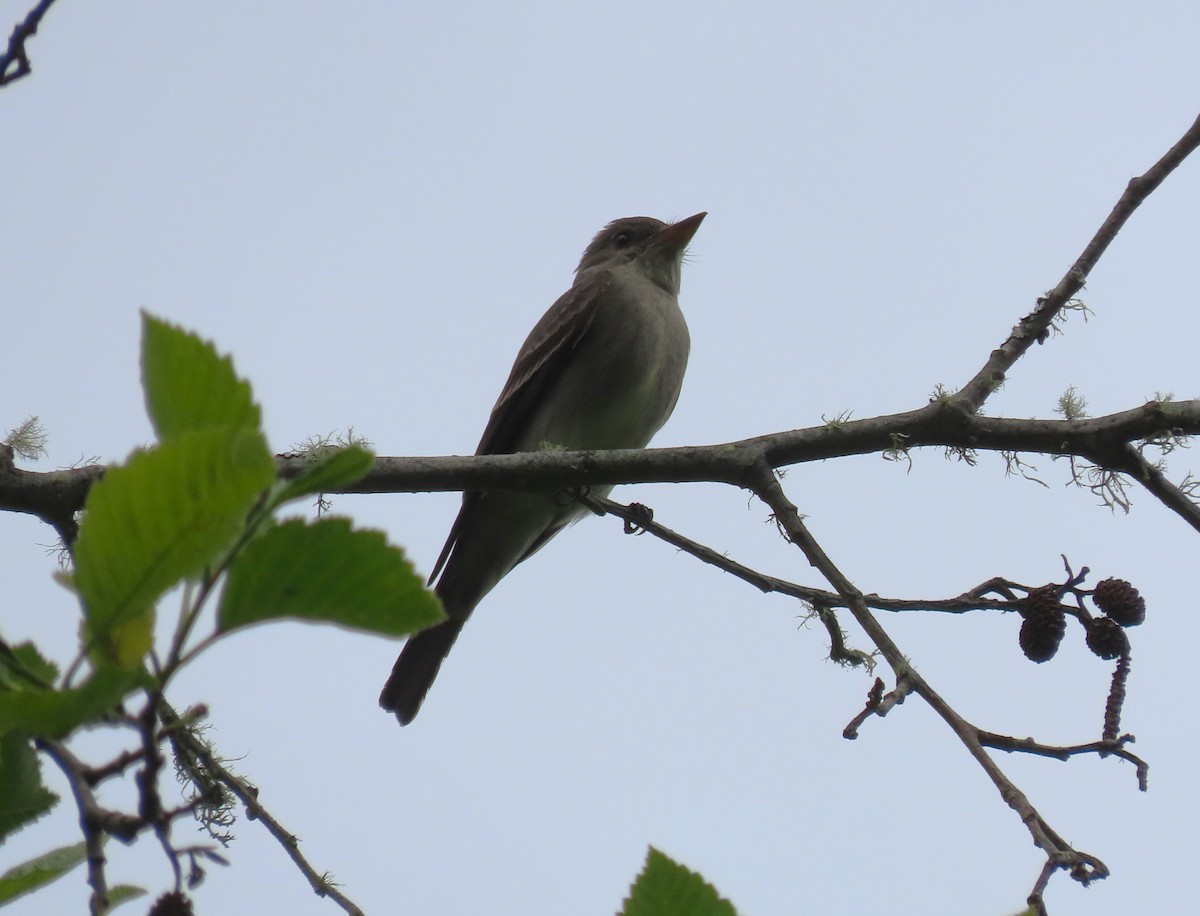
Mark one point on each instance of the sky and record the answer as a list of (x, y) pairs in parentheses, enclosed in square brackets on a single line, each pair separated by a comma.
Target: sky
[(369, 205)]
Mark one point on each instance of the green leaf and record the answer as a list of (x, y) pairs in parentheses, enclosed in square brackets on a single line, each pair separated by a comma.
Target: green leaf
[(126, 644), (37, 873), (23, 797), (55, 713), (330, 469), (328, 572), (163, 516), (188, 385), (22, 667), (666, 888), (123, 893)]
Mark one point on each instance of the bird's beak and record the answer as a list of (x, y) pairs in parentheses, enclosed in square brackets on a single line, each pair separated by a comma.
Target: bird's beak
[(675, 237)]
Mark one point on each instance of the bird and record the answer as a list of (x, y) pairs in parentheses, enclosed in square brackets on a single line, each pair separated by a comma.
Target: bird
[(601, 369)]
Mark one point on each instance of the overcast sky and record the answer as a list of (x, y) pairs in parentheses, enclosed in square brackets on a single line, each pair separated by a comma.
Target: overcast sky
[(368, 205)]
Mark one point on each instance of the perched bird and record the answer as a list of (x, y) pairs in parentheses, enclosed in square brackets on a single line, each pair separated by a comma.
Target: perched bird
[(602, 369)]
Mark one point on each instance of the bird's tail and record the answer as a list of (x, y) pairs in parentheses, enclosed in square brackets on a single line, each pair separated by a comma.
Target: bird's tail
[(416, 668)]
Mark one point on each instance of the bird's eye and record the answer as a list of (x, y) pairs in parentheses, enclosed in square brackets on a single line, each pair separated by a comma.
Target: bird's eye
[(622, 239)]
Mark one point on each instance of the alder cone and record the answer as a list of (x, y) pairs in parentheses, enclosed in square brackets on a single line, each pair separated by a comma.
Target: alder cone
[(172, 904), (1106, 638), (1044, 625), (1120, 602)]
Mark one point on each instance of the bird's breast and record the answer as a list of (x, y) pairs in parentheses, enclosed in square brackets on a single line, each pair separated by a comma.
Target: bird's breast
[(624, 375)]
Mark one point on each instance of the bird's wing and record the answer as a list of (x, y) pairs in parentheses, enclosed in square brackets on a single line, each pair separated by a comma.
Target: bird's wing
[(538, 367)]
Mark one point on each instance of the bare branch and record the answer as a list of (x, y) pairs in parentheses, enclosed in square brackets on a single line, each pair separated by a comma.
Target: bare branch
[(1109, 747), (1082, 866), (878, 704), (14, 63), (1105, 441), (248, 796), (93, 820), (1035, 326)]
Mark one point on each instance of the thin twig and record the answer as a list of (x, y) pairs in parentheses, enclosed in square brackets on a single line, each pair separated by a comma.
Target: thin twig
[(16, 53), (1034, 327), (248, 796), (878, 704), (1083, 867), (91, 815), (1114, 748), (971, 600)]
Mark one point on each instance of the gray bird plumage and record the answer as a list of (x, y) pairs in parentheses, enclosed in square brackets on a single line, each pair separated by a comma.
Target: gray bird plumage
[(602, 369)]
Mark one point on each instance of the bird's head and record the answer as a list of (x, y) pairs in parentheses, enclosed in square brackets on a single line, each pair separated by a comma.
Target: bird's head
[(655, 246)]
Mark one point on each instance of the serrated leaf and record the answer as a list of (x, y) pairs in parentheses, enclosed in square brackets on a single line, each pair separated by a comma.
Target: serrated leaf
[(55, 713), (22, 667), (330, 469), (188, 385), (37, 873), (23, 796), (328, 572), (163, 516), (666, 888)]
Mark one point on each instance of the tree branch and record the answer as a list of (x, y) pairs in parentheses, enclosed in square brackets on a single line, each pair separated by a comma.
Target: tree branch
[(1115, 748), (248, 796), (1036, 325), (55, 495), (16, 53), (93, 820), (1082, 866)]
